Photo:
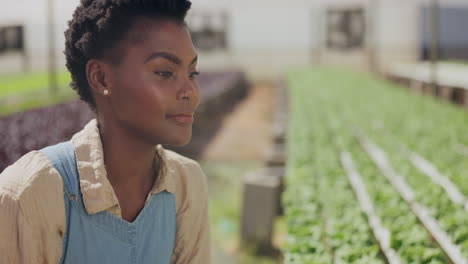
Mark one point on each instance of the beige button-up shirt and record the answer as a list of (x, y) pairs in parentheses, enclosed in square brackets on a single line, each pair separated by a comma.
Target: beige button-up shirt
[(32, 210)]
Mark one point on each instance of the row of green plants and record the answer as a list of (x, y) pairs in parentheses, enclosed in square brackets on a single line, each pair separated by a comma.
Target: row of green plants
[(400, 121), (26, 83), (408, 238), (453, 218), (427, 125), (325, 223), (328, 106)]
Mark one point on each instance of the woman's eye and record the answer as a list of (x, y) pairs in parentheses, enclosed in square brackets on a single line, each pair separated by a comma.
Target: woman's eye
[(164, 74), (193, 75)]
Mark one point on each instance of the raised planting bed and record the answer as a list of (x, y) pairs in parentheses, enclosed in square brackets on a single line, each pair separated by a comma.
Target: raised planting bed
[(402, 159)]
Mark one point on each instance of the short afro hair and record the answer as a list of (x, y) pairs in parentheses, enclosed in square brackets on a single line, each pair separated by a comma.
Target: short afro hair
[(99, 25)]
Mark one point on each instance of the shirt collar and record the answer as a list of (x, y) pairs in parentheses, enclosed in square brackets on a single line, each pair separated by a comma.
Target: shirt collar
[(97, 192)]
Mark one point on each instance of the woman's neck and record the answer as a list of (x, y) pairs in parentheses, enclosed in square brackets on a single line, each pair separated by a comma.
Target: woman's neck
[(130, 162)]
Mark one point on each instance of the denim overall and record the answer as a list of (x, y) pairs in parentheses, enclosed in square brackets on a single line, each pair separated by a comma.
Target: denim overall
[(105, 238)]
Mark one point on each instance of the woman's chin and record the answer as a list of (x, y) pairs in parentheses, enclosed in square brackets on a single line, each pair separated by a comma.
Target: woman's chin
[(179, 142)]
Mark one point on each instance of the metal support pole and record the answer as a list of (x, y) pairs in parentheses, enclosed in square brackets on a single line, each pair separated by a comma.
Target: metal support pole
[(372, 29), (51, 44), (434, 47)]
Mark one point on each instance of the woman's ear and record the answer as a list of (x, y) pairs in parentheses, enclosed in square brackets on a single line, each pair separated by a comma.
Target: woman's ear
[(98, 77)]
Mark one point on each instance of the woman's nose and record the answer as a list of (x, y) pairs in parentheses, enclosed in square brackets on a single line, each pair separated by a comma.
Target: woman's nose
[(189, 90)]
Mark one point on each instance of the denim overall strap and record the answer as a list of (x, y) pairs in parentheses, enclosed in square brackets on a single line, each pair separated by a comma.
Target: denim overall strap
[(62, 157)]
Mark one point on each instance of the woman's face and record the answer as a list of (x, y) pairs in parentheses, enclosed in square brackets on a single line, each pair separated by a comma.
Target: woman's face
[(157, 68)]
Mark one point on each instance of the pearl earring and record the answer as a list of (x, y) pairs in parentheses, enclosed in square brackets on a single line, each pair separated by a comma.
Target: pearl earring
[(106, 92)]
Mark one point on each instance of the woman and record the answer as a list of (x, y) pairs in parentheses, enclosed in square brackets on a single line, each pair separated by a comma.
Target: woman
[(112, 194)]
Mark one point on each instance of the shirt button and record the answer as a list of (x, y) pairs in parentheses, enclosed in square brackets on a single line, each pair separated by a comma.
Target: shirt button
[(72, 197)]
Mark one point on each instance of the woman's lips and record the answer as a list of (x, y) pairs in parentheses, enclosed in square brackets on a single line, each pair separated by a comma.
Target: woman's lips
[(182, 118)]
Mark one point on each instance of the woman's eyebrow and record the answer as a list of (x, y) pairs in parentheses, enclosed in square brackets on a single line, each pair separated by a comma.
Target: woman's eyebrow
[(168, 56), (194, 60)]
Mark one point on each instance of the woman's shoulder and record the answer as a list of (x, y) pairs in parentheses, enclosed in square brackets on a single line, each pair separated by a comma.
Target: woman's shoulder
[(186, 172), (177, 159), (30, 176), (189, 183), (31, 201)]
